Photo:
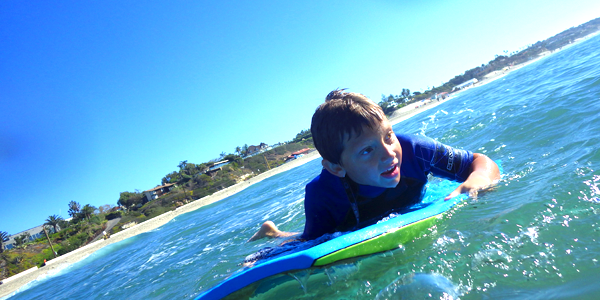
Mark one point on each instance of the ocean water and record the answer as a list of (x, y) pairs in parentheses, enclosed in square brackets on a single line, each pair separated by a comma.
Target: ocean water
[(536, 236)]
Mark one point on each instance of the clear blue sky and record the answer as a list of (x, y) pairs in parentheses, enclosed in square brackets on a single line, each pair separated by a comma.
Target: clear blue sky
[(101, 97)]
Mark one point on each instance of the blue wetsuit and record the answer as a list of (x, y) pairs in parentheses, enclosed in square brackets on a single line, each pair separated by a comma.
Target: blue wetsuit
[(328, 202)]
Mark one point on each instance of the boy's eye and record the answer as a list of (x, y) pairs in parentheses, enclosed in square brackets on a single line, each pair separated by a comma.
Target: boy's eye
[(366, 151), (388, 137)]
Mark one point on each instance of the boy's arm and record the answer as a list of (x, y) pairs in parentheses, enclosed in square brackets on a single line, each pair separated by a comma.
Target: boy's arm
[(484, 173)]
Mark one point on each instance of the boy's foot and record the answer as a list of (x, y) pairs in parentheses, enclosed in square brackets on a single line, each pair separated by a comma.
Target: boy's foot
[(268, 229)]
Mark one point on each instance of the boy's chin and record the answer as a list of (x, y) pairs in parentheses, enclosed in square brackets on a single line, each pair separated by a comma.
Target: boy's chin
[(390, 183)]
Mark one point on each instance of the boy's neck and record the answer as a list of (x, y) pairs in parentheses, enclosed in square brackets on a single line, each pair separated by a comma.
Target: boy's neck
[(368, 190)]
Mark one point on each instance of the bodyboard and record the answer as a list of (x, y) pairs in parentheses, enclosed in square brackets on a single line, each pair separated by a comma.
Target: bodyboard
[(383, 236)]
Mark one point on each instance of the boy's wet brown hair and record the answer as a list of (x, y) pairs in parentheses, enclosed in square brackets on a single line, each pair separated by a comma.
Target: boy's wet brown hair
[(343, 115)]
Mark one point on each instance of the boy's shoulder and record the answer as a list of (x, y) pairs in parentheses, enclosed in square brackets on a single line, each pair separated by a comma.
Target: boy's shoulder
[(413, 141), (422, 153), (325, 182), (415, 148)]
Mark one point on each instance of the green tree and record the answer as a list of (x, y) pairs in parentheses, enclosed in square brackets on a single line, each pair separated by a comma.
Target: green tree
[(184, 173), (406, 93), (182, 165), (63, 224), (238, 150), (4, 237), (87, 211), (387, 108), (234, 158), (53, 221), (171, 178), (22, 239), (104, 208), (74, 208), (222, 155), (192, 169), (130, 200)]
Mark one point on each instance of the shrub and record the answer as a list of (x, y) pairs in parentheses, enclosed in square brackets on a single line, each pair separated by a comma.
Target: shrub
[(129, 217), (95, 219), (113, 215)]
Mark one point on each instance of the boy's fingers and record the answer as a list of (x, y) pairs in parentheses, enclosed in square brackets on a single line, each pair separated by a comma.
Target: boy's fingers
[(473, 193), (453, 194), (461, 189)]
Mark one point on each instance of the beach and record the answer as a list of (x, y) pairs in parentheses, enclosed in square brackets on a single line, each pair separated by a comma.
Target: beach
[(14, 283)]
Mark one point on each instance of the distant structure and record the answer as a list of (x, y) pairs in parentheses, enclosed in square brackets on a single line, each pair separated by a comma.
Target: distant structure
[(440, 96), (158, 191), (34, 234), (256, 149), (297, 154), (466, 84), (212, 171)]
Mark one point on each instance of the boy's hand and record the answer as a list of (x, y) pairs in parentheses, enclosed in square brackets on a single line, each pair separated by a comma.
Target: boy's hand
[(471, 187), (484, 174)]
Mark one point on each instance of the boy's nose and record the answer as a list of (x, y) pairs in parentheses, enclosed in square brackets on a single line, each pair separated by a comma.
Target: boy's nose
[(389, 154)]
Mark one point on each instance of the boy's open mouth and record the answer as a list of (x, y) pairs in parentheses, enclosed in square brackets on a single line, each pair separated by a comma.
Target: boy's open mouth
[(391, 171)]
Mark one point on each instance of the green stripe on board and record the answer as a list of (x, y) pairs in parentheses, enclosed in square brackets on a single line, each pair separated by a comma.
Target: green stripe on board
[(387, 241)]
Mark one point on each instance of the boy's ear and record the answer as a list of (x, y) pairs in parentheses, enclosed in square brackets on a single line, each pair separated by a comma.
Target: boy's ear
[(334, 169)]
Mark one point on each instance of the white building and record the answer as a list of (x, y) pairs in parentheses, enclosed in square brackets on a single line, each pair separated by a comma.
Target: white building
[(34, 234), (158, 191)]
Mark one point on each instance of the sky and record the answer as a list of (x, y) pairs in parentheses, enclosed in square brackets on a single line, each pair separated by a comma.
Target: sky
[(102, 97)]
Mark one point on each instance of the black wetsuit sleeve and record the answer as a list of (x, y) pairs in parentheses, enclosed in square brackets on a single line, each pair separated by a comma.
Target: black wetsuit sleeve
[(319, 219)]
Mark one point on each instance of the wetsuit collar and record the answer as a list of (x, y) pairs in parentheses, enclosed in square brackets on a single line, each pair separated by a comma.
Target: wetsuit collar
[(370, 191)]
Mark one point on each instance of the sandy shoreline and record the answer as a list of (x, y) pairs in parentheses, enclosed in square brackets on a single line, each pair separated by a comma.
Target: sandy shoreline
[(14, 283)]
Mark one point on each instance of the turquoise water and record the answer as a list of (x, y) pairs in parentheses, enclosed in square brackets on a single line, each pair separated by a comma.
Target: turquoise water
[(534, 237)]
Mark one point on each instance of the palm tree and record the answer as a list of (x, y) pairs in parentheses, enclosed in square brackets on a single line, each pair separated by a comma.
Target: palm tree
[(4, 237), (87, 211), (245, 150), (19, 241), (53, 221)]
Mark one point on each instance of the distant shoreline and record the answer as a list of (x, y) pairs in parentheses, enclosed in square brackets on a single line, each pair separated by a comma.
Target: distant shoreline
[(16, 282)]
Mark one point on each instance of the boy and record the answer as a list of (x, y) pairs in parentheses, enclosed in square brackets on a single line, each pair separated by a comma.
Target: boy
[(370, 172)]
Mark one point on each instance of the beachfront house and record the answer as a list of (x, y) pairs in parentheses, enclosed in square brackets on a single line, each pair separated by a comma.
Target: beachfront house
[(158, 191), (33, 234), (256, 149), (212, 171)]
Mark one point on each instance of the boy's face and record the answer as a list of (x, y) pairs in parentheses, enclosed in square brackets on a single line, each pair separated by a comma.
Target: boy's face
[(374, 157)]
